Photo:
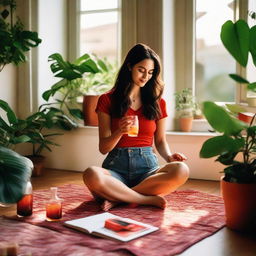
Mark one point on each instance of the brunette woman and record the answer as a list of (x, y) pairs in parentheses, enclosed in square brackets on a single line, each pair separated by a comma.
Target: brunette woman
[(130, 173)]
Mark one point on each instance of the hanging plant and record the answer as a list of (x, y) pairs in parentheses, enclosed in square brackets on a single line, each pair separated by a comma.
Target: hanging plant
[(14, 39)]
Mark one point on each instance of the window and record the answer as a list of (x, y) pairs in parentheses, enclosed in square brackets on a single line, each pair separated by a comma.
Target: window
[(251, 76), (99, 28), (213, 63), (201, 61)]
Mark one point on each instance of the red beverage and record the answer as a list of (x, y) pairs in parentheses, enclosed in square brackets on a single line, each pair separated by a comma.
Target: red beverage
[(54, 206), (25, 206), (53, 211)]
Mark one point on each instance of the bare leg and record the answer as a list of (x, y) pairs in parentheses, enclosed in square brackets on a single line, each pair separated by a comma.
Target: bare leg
[(99, 181), (166, 180)]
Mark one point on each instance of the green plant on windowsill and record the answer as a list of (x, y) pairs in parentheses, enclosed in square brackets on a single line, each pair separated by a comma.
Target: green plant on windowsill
[(184, 103), (95, 84), (66, 91), (15, 40), (240, 41), (86, 75)]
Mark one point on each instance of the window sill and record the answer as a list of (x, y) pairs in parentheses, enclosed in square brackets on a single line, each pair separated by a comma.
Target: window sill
[(178, 133)]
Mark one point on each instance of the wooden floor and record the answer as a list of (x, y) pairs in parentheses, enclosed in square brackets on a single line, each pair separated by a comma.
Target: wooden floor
[(223, 243)]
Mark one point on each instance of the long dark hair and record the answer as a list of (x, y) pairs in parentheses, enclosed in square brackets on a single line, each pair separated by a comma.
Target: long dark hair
[(150, 93)]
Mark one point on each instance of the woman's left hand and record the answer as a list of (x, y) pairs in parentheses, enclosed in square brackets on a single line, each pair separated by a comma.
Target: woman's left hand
[(176, 157)]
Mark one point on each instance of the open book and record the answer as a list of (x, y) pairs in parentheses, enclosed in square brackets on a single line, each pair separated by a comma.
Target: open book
[(111, 226)]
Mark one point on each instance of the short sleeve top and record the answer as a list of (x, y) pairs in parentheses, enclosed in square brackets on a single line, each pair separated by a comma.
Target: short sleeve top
[(147, 127)]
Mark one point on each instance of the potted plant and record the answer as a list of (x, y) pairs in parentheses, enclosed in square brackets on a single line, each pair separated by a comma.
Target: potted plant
[(68, 88), (15, 40), (184, 105), (83, 76), (235, 147), (34, 130), (239, 39), (15, 172), (93, 86)]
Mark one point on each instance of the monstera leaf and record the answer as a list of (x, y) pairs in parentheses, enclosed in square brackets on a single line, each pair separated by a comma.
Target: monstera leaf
[(15, 171)]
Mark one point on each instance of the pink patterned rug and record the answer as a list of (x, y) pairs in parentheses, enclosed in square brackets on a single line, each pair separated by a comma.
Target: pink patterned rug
[(189, 217)]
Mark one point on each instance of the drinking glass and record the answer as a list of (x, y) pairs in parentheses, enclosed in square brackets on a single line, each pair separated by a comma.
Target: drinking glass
[(134, 130)]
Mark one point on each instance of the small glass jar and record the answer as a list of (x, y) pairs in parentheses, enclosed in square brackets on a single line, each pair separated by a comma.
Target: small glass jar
[(25, 205), (54, 206)]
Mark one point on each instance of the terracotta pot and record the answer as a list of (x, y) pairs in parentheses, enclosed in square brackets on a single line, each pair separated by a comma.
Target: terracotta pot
[(38, 162), (185, 123), (89, 106), (240, 205), (245, 117)]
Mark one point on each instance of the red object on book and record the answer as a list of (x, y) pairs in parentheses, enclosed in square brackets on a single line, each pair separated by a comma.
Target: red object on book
[(119, 225)]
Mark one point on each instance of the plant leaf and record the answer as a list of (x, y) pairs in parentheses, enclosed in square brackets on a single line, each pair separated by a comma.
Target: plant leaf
[(235, 37), (82, 59), (220, 119), (220, 145), (234, 108), (62, 68), (77, 113), (88, 66), (20, 139), (253, 44), (56, 87), (10, 114), (15, 171), (239, 79), (252, 87)]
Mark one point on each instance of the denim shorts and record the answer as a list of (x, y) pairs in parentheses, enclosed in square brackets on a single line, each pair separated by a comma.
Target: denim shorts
[(131, 165)]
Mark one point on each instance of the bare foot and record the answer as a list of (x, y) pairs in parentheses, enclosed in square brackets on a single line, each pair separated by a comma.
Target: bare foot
[(107, 205), (157, 201)]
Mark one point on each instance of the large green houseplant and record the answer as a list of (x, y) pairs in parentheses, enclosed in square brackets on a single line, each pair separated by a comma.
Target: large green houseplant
[(86, 75), (65, 92), (235, 147), (240, 41), (235, 143), (14, 39)]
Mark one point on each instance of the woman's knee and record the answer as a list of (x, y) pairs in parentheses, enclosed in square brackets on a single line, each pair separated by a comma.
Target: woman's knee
[(179, 171), (91, 177)]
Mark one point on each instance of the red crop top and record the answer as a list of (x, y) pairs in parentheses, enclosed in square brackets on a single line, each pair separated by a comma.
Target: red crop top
[(146, 127)]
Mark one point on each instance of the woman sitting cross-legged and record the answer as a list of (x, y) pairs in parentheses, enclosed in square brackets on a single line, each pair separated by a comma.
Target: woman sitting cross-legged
[(130, 173)]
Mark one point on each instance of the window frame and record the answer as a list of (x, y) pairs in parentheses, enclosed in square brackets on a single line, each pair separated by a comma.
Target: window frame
[(74, 12), (185, 46)]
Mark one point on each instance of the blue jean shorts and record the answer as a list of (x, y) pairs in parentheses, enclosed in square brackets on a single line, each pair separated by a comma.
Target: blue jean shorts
[(131, 165)]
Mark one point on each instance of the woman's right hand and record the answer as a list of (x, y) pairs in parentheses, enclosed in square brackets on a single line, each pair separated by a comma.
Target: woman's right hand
[(125, 124)]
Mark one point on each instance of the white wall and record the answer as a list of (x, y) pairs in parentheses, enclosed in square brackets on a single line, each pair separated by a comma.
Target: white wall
[(168, 59), (52, 29), (8, 85)]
